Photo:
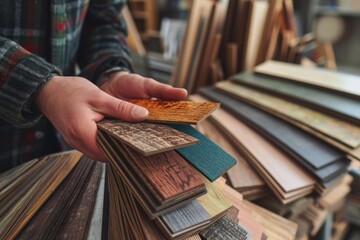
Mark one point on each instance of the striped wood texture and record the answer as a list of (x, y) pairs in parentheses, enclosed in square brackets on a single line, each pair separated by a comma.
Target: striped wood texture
[(332, 80), (320, 158), (340, 130), (337, 105)]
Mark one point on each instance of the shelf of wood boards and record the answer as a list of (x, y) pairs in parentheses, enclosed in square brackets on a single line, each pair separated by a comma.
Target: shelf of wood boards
[(144, 13)]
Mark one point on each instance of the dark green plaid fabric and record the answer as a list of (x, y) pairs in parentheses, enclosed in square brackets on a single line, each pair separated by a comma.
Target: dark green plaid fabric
[(40, 38)]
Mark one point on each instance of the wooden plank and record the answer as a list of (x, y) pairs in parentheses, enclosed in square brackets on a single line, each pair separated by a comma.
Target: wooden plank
[(334, 104), (314, 158), (176, 111), (339, 82), (146, 138), (256, 29), (342, 131), (206, 156)]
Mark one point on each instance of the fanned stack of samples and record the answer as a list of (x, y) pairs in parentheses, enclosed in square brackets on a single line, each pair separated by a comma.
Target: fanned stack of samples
[(51, 197), (294, 129), (161, 173)]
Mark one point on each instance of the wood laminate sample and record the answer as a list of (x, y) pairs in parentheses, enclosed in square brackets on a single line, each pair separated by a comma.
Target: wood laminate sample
[(342, 106), (211, 160), (339, 82), (176, 111), (146, 138), (340, 130), (312, 152)]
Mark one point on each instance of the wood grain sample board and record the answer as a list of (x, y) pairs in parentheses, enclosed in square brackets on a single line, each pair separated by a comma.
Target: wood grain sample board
[(176, 111), (337, 129), (338, 82), (159, 182), (337, 105), (315, 154), (207, 157), (146, 138)]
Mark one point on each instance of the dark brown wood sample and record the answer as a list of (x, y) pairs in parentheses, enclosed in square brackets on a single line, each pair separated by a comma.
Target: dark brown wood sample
[(311, 152), (341, 106), (160, 182), (146, 138), (176, 111)]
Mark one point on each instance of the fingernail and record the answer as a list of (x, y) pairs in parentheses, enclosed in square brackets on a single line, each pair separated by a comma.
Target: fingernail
[(139, 112)]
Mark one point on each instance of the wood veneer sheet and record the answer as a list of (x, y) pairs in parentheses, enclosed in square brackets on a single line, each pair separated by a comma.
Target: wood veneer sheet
[(310, 151), (342, 106), (339, 82), (146, 138), (340, 130), (206, 156), (176, 111)]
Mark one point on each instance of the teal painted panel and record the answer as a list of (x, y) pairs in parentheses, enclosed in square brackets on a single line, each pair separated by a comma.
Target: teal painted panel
[(211, 160)]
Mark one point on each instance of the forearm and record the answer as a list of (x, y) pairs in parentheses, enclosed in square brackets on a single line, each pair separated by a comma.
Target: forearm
[(22, 75)]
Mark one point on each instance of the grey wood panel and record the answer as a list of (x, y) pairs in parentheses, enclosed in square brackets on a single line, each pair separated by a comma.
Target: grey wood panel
[(185, 217)]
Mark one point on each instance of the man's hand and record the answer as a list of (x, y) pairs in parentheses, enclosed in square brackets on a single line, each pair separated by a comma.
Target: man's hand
[(74, 105), (124, 85)]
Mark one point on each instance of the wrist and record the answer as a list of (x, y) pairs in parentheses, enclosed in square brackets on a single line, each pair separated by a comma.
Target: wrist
[(43, 97)]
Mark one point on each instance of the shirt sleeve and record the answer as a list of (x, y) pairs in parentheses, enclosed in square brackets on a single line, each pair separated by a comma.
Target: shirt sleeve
[(22, 74), (103, 43)]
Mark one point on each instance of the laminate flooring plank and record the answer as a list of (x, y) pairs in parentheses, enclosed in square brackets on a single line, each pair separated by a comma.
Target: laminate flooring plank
[(340, 130), (146, 138), (311, 151), (206, 156), (342, 106), (176, 111), (339, 82)]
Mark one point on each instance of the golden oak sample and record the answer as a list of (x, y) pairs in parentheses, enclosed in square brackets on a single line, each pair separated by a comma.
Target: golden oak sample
[(176, 111)]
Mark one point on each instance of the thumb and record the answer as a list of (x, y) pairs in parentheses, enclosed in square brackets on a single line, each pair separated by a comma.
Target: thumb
[(114, 107)]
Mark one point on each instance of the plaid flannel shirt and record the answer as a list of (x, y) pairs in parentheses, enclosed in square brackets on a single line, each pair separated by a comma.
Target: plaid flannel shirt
[(40, 38)]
